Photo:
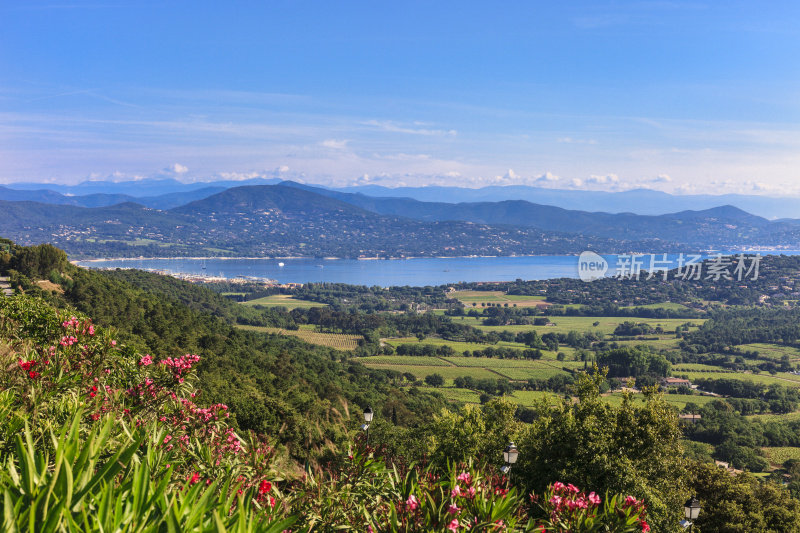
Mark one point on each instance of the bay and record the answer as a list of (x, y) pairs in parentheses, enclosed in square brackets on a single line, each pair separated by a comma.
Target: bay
[(381, 272)]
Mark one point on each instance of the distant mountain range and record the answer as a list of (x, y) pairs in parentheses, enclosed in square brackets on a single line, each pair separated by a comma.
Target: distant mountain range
[(291, 219), (639, 201), (723, 226), (278, 221)]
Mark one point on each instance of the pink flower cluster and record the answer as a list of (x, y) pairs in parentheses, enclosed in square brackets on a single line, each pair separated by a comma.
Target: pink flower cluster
[(82, 328), (68, 340), (146, 360), (567, 503), (180, 365), (639, 506)]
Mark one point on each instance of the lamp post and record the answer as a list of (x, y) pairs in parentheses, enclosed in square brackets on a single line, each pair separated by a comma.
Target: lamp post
[(368, 414), (691, 510), (510, 455)]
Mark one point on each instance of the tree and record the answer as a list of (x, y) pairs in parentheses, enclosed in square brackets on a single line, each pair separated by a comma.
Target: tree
[(434, 380), (631, 448), (742, 503)]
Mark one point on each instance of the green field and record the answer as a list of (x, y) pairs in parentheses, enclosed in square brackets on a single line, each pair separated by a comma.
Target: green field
[(405, 360), (459, 347), (497, 297), (449, 373), (455, 395), (780, 454), (788, 417), (697, 367), (331, 340), (564, 324), (773, 351), (664, 305), (764, 378), (283, 300), (477, 367), (678, 401)]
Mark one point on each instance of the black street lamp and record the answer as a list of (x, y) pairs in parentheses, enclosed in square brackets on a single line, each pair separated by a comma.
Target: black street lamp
[(691, 510), (368, 414), (510, 455)]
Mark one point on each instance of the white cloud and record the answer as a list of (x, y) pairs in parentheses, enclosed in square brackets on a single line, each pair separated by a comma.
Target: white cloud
[(335, 144), (177, 168), (388, 125), (662, 178), (570, 140), (547, 177), (608, 179)]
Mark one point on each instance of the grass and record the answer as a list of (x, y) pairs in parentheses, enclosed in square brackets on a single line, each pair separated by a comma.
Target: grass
[(284, 300), (331, 340)]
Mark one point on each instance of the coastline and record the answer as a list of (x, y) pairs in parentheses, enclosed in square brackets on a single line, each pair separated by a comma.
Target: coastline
[(749, 249), (309, 257)]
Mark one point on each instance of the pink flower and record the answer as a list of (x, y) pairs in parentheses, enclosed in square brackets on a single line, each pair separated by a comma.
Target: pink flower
[(466, 477), (146, 360), (453, 526), (645, 526), (558, 486), (455, 492), (555, 501), (113, 343), (594, 499), (264, 487), (471, 492), (412, 503), (572, 488), (194, 478), (453, 509), (630, 500)]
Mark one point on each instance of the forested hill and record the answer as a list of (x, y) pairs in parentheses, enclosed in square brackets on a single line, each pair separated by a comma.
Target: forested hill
[(719, 226), (272, 384), (278, 221)]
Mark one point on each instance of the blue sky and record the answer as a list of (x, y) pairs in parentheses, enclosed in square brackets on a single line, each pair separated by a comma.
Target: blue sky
[(678, 96)]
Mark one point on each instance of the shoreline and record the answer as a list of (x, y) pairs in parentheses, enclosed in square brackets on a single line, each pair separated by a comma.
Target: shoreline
[(405, 258), (328, 258)]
